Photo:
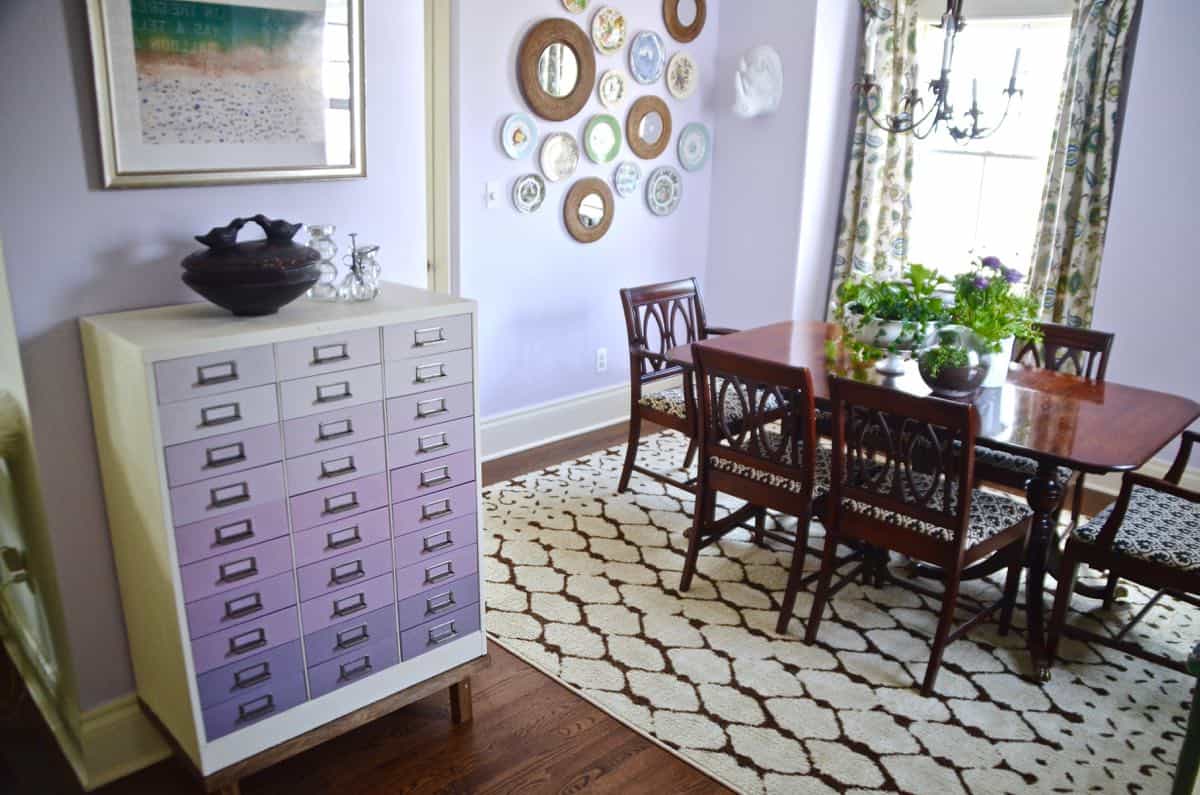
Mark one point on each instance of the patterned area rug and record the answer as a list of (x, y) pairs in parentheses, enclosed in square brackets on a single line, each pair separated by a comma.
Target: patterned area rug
[(583, 584)]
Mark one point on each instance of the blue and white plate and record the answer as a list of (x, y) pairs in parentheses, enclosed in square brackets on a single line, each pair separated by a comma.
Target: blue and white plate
[(647, 57), (519, 136), (664, 189), (694, 147), (627, 178)]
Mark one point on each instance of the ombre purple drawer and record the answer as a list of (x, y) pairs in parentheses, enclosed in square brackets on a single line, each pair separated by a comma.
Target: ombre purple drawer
[(322, 393), (417, 480), (429, 408), (305, 435), (440, 631), (337, 502), (236, 569), (327, 354), (239, 712), (337, 465), (432, 541), (353, 667), (221, 455), (221, 495), (240, 605), (338, 537), (433, 572), (426, 444), (248, 677), (214, 373), (413, 515), (347, 636), (357, 600), (431, 372), (230, 532), (431, 604), (217, 415), (241, 642), (423, 337), (343, 571)]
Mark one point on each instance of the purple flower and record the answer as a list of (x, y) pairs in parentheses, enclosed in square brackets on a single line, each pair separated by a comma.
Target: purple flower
[(981, 283), (1012, 276), (992, 262)]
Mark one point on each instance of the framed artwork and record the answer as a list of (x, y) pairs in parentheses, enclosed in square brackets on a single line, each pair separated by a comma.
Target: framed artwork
[(193, 92)]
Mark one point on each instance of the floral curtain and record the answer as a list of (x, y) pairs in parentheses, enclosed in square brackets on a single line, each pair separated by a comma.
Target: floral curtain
[(873, 236), (1079, 178)]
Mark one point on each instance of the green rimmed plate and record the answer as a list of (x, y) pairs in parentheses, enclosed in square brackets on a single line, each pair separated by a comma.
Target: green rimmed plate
[(602, 139)]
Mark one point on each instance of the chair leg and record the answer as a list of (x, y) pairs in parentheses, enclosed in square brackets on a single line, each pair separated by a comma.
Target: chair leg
[(1068, 571), (945, 624), (1077, 500), (701, 515), (690, 456), (635, 436), (760, 525), (1012, 585), (795, 575), (1110, 590), (828, 561)]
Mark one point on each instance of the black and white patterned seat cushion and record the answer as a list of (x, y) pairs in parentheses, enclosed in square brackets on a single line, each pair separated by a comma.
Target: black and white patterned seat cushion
[(1158, 527), (823, 460), (1018, 464), (671, 401)]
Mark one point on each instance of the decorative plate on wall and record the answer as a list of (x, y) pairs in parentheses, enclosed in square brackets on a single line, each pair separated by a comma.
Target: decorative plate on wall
[(602, 139), (613, 89), (647, 57), (664, 189), (608, 30), (627, 178), (528, 193), (519, 136), (576, 6), (694, 146), (682, 76), (560, 156)]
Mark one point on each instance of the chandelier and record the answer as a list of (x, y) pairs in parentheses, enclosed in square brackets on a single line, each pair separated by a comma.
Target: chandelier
[(910, 119)]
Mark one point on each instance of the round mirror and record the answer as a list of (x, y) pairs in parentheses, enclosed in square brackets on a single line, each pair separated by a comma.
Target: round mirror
[(648, 127), (685, 12), (588, 211), (558, 70), (651, 128), (685, 18), (591, 211)]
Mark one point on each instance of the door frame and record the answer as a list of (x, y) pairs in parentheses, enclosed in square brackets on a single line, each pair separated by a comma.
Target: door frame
[(438, 146)]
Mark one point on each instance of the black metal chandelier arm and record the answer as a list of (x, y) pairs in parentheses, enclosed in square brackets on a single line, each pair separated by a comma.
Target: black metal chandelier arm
[(890, 125)]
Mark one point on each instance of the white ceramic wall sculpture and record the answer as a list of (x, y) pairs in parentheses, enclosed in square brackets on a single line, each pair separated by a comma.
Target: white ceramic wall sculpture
[(759, 82)]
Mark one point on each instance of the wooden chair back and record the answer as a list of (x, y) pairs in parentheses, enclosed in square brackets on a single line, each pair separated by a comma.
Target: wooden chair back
[(1078, 351), (659, 317)]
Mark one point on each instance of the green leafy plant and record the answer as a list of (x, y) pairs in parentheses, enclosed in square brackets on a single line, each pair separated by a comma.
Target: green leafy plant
[(911, 301), (935, 359), (989, 301)]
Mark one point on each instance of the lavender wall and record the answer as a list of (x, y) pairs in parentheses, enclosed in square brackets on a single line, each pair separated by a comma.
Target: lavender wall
[(548, 302), (1150, 281), (74, 249)]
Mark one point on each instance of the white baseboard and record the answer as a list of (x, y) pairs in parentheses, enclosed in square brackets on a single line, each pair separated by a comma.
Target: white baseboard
[(1111, 484)]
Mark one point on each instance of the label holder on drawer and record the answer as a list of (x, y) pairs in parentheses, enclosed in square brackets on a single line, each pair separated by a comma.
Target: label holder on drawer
[(235, 533), (223, 414), (237, 570), (440, 603), (448, 571), (442, 633), (224, 455), (350, 605), (252, 676), (436, 509), (340, 539), (338, 467), (436, 476), (328, 354), (432, 443), (226, 496), (447, 537), (355, 636), (248, 641), (243, 606), (426, 337), (335, 429), (347, 572), (332, 393), (428, 373), (441, 408), (355, 668), (217, 373), (340, 503), (257, 708)]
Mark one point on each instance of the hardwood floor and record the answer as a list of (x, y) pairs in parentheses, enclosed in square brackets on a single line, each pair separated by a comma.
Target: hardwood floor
[(530, 734)]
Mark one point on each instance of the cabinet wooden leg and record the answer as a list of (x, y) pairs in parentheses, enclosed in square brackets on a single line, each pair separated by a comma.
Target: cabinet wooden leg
[(460, 701)]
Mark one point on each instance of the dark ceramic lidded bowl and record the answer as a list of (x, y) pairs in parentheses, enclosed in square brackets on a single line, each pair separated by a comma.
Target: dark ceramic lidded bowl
[(256, 277)]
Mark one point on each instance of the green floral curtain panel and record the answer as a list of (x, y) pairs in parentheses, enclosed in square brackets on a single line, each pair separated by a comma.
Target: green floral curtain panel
[(873, 237), (1079, 179)]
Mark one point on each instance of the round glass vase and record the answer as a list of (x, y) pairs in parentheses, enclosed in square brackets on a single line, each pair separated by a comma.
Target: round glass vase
[(954, 364)]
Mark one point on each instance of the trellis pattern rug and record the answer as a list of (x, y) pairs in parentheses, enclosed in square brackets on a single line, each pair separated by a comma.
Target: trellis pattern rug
[(583, 584)]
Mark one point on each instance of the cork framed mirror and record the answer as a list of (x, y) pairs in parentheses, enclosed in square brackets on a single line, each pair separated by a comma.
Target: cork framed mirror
[(685, 18), (648, 127), (556, 69), (588, 211)]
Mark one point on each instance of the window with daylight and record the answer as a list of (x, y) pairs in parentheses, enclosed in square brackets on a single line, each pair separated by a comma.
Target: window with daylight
[(983, 197)]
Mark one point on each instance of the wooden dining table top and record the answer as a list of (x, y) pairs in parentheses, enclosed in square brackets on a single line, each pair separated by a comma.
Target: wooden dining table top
[(1086, 425)]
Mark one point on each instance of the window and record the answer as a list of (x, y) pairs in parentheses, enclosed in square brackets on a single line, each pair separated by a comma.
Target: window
[(984, 197), (337, 82)]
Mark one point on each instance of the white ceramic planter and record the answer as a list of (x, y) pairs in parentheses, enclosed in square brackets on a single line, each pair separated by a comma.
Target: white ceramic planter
[(998, 365)]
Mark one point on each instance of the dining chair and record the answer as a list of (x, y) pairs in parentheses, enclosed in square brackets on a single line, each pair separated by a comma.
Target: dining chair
[(758, 442), (659, 317), (1150, 535), (902, 479)]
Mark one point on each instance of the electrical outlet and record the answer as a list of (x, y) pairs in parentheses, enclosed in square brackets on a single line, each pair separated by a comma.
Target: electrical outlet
[(492, 194), (601, 360)]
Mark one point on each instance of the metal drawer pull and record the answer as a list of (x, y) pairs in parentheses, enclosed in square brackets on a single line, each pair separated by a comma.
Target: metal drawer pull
[(430, 510), (349, 605), (447, 541), (436, 604), (443, 476), (324, 354), (431, 578), (334, 430), (438, 371), (219, 373), (224, 496), (349, 638), (442, 633), (340, 539), (347, 572), (341, 503), (424, 337), (225, 455), (432, 442), (243, 606), (353, 670), (251, 710), (238, 570), (337, 467), (332, 393), (249, 641), (423, 412), (234, 533), (254, 675), (214, 416)]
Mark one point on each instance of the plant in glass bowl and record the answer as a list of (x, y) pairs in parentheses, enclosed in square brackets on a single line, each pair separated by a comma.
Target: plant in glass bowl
[(953, 365), (891, 315), (992, 301)]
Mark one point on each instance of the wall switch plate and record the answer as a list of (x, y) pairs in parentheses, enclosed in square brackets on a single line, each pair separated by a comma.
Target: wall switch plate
[(492, 195), (601, 360)]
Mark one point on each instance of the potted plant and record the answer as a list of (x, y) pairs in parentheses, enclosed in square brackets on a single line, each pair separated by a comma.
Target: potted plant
[(892, 315), (990, 301), (953, 366)]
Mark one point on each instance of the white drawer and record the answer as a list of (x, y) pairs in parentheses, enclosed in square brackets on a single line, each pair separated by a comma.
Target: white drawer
[(430, 372), (329, 354), (214, 373), (426, 337), (322, 393), (218, 414)]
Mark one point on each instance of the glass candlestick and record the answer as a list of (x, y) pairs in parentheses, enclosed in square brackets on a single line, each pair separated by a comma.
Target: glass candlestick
[(320, 237)]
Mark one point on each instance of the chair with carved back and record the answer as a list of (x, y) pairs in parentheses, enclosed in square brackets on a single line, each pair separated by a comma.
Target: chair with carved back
[(659, 317), (902, 477)]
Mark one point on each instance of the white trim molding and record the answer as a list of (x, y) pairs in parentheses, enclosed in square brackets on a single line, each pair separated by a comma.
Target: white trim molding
[(1111, 484)]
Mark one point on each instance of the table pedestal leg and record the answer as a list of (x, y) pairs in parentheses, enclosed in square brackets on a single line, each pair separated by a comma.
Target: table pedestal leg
[(1044, 494)]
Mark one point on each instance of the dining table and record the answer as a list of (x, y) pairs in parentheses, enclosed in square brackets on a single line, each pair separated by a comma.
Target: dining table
[(1056, 419)]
